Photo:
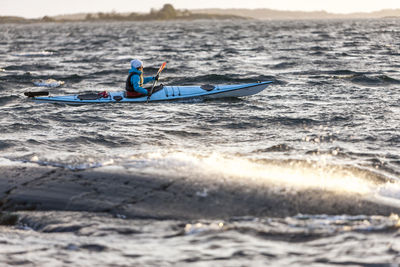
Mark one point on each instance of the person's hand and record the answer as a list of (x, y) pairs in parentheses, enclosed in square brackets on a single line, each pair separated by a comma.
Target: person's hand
[(157, 77)]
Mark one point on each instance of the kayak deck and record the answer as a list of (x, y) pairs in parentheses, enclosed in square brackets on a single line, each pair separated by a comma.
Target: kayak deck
[(166, 93)]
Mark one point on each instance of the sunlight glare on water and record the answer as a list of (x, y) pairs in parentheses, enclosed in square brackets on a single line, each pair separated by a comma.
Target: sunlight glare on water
[(281, 173)]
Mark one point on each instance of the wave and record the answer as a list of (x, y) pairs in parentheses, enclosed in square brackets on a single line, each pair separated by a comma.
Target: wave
[(376, 80), (294, 122), (7, 99), (222, 78), (21, 126), (65, 161), (275, 148), (30, 78), (182, 133), (341, 72), (5, 144), (311, 239), (366, 79), (300, 227), (284, 65), (105, 73), (18, 78), (29, 67), (34, 54), (359, 78), (73, 78)]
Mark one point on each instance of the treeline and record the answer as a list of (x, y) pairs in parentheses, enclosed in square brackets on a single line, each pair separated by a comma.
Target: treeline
[(167, 12), (12, 19)]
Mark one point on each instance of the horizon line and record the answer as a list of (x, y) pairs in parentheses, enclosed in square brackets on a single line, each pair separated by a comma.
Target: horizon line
[(208, 8)]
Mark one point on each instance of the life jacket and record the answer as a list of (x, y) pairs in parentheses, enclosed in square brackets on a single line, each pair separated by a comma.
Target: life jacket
[(130, 91), (103, 94)]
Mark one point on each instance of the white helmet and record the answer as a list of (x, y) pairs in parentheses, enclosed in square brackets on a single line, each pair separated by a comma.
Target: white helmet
[(136, 63)]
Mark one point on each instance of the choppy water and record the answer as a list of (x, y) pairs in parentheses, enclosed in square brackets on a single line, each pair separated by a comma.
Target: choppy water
[(330, 122)]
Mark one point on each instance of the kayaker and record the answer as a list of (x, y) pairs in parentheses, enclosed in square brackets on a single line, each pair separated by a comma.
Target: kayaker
[(135, 80)]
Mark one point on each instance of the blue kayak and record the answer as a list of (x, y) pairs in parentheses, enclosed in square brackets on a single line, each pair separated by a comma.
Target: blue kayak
[(163, 93)]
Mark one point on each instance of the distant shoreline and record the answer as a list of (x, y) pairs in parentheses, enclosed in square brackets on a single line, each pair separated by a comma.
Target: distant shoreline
[(168, 12), (271, 14), (20, 20)]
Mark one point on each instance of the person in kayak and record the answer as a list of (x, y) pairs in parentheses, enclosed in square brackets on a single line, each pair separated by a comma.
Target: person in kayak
[(135, 80)]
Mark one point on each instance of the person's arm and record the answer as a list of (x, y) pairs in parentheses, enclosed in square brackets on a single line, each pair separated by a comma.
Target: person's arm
[(148, 79), (135, 82)]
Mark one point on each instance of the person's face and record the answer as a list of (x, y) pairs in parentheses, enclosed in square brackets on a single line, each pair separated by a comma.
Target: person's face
[(141, 68)]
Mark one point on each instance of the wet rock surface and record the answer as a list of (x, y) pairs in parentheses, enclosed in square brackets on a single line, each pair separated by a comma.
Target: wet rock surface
[(163, 197)]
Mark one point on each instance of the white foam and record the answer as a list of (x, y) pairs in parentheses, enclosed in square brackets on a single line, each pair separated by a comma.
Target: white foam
[(197, 228), (33, 54), (389, 190), (48, 83), (203, 193), (5, 162)]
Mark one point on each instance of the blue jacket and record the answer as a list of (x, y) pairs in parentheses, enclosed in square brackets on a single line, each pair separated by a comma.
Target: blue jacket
[(135, 81)]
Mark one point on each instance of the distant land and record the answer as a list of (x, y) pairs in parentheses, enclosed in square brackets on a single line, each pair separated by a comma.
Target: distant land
[(271, 14), (168, 12)]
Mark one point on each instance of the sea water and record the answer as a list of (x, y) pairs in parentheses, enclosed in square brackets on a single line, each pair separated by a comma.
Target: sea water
[(323, 138)]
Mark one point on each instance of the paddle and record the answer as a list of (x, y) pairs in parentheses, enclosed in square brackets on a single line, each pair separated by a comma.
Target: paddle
[(155, 81)]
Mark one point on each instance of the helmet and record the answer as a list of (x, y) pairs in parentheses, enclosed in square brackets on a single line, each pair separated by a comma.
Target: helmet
[(136, 63)]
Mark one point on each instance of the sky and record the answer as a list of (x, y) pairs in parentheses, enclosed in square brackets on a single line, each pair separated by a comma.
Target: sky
[(40, 8)]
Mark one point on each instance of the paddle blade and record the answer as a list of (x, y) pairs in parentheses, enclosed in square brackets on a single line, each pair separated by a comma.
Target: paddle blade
[(162, 67), (34, 94)]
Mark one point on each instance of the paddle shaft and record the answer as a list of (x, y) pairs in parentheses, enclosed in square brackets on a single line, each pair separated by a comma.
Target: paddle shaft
[(155, 81)]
